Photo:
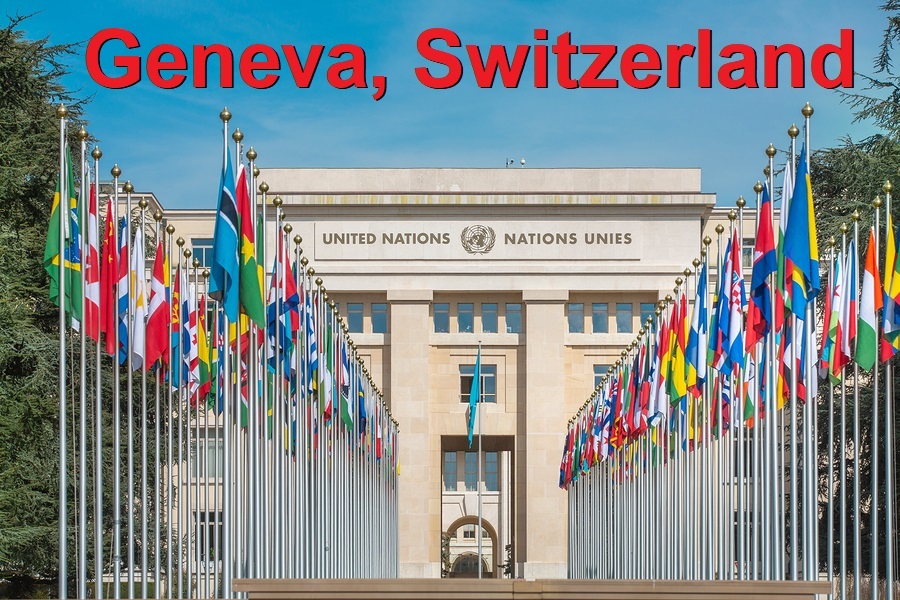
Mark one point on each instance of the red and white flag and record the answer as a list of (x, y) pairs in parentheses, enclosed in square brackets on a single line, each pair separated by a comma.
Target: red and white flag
[(92, 270), (109, 276), (158, 319)]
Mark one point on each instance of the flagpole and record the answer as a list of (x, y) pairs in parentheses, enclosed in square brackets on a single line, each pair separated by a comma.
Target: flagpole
[(857, 497), (876, 204), (888, 437), (63, 212), (142, 203), (830, 513), (184, 466), (128, 189), (843, 442), (98, 421), (170, 540), (82, 434), (117, 418), (157, 216), (479, 401)]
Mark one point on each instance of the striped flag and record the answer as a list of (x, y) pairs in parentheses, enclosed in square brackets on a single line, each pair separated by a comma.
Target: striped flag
[(123, 292), (870, 303), (800, 245), (69, 246), (109, 276), (890, 344), (250, 289), (224, 274), (759, 309), (159, 312), (139, 299), (92, 270)]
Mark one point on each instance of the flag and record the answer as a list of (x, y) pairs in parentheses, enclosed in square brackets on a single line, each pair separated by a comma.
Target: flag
[(251, 290), (846, 325), (176, 347), (736, 302), (800, 246), (203, 358), (124, 292), (69, 247), (890, 344), (782, 276), (474, 396), (870, 302), (190, 341), (139, 298), (759, 310), (347, 409), (159, 314), (92, 270), (697, 340), (224, 274), (720, 326), (109, 276)]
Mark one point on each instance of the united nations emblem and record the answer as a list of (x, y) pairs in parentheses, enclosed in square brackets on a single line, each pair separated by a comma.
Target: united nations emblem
[(478, 239)]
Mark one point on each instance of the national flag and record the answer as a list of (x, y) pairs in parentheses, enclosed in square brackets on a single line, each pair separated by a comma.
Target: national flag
[(847, 319), (251, 290), (203, 359), (282, 304), (870, 303), (890, 344), (736, 303), (224, 274), (830, 332), (697, 340), (123, 288), (326, 398), (474, 396), (159, 314), (69, 247), (92, 269), (827, 312), (759, 309), (312, 353), (783, 272), (347, 409), (190, 340), (109, 276), (139, 298), (800, 245), (677, 367), (176, 347), (720, 325)]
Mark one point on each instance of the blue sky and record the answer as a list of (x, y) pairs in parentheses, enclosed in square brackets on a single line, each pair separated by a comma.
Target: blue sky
[(169, 141)]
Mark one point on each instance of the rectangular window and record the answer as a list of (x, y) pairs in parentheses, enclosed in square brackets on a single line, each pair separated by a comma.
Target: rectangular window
[(514, 318), (624, 317), (747, 253), (599, 372), (441, 317), (379, 317), (211, 535), (489, 317), (211, 456), (600, 317), (488, 382), (472, 475), (468, 532), (355, 317), (491, 478), (465, 317), (450, 471), (576, 317), (202, 250), (647, 310)]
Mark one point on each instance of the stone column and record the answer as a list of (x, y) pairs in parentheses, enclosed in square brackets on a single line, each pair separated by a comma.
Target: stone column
[(420, 476), (540, 503)]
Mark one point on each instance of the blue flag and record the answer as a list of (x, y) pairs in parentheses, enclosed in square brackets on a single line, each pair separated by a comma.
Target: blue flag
[(474, 395), (800, 245), (223, 277)]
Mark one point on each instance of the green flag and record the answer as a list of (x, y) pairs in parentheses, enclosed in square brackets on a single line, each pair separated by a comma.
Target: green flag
[(70, 246)]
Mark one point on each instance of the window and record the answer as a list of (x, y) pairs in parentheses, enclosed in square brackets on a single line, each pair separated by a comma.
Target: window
[(747, 253), (576, 317), (441, 317), (212, 455), (514, 318), (647, 310), (450, 471), (379, 317), (211, 534), (624, 317), (201, 249), (472, 476), (465, 317), (355, 317), (491, 480), (489, 317), (468, 532), (599, 372), (600, 317), (488, 382)]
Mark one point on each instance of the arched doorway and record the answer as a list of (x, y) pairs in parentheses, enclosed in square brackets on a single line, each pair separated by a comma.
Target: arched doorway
[(468, 560)]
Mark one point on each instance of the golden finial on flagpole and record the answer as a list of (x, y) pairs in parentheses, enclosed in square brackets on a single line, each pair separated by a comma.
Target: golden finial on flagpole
[(708, 240), (877, 202), (793, 132), (766, 171), (741, 202), (142, 203), (255, 171), (855, 215), (687, 272), (807, 110), (225, 115), (758, 187), (844, 228), (679, 281), (832, 242), (157, 215), (732, 215), (62, 111), (237, 135), (887, 187), (696, 263), (205, 273), (770, 150), (720, 228), (251, 153), (82, 134), (115, 171), (318, 280), (263, 187), (277, 201), (179, 241), (170, 229), (298, 240), (96, 153), (668, 298), (288, 228), (187, 252), (303, 262), (128, 188), (196, 262)]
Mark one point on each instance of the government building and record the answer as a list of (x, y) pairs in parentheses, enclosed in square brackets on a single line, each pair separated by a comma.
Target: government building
[(550, 271)]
